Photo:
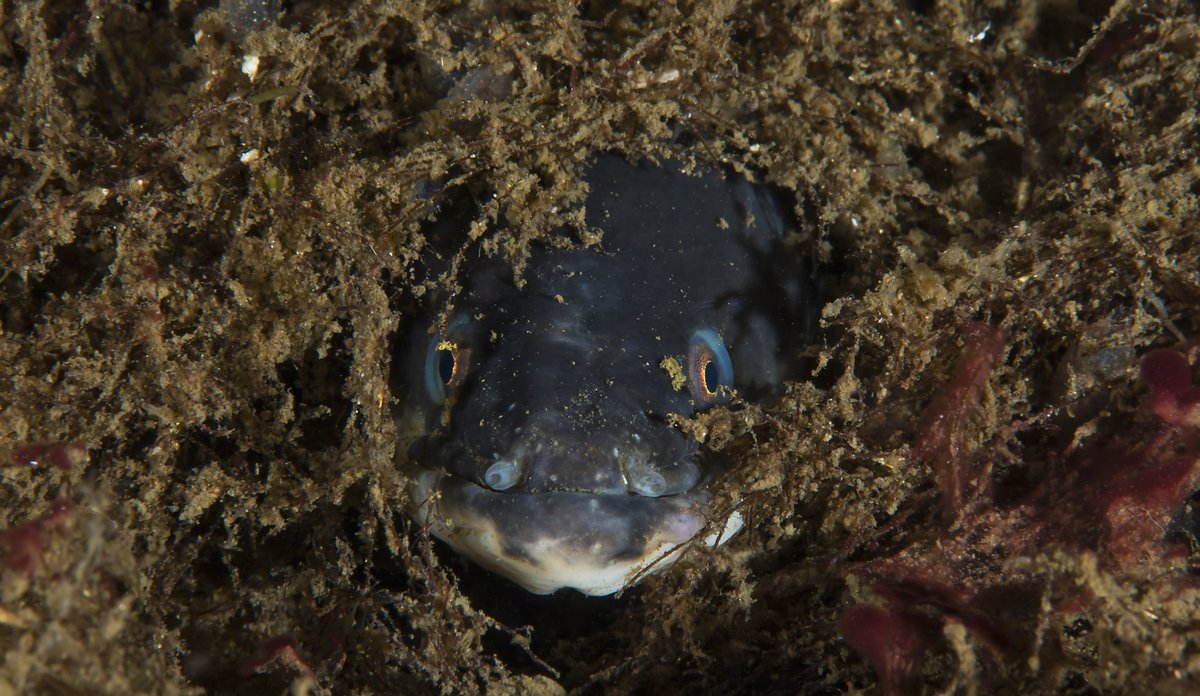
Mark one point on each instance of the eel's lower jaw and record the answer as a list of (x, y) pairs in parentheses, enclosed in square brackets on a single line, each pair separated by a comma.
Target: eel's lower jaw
[(596, 544)]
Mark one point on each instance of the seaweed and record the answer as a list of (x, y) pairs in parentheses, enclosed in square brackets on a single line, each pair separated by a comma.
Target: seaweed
[(214, 233), (1107, 505)]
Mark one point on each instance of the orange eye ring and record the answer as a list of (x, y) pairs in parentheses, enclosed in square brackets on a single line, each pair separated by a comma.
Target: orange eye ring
[(710, 370), (705, 374), (447, 362)]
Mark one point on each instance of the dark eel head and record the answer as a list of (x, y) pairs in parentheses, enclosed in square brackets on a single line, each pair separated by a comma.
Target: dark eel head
[(543, 447)]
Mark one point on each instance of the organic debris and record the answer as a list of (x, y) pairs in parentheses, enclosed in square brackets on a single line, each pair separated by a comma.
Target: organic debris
[(1109, 505), (214, 227)]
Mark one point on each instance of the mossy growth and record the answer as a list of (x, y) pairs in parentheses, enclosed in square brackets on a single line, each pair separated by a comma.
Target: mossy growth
[(212, 236)]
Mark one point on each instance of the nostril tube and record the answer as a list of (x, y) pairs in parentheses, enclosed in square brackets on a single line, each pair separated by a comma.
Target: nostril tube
[(644, 480), (653, 481), (502, 475)]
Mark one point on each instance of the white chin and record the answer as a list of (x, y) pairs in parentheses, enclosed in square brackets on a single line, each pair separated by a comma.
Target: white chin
[(596, 544)]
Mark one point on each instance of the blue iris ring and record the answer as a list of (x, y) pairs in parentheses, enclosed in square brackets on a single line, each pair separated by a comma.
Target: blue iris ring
[(710, 370)]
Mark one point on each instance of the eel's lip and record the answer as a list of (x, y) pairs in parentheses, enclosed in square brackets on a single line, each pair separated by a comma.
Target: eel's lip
[(595, 543)]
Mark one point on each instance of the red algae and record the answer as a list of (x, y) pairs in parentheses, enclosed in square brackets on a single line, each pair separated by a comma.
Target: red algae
[(280, 649), (910, 587), (21, 546), (1172, 398), (943, 430), (60, 456), (894, 641), (216, 230), (1114, 502)]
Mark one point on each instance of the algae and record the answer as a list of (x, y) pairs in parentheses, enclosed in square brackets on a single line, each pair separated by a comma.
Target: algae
[(212, 237)]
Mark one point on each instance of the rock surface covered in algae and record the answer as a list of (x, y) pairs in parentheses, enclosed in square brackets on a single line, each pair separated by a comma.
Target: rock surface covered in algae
[(212, 235)]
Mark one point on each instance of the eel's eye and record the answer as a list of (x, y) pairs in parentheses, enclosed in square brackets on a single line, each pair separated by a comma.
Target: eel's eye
[(709, 368), (446, 362)]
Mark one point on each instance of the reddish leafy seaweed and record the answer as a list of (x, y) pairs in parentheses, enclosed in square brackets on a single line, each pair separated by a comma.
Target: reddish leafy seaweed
[(21, 546), (1112, 501), (58, 455), (943, 429)]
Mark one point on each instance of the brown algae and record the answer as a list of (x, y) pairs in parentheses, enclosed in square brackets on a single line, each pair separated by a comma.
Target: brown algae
[(211, 239)]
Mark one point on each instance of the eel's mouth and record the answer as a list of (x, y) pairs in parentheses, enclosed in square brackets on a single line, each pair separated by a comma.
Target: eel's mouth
[(595, 543)]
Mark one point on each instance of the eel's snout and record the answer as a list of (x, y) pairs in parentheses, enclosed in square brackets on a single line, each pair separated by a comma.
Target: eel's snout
[(549, 453), (551, 504), (595, 543)]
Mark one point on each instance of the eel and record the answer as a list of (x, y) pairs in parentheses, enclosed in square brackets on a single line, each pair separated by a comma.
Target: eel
[(541, 417)]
